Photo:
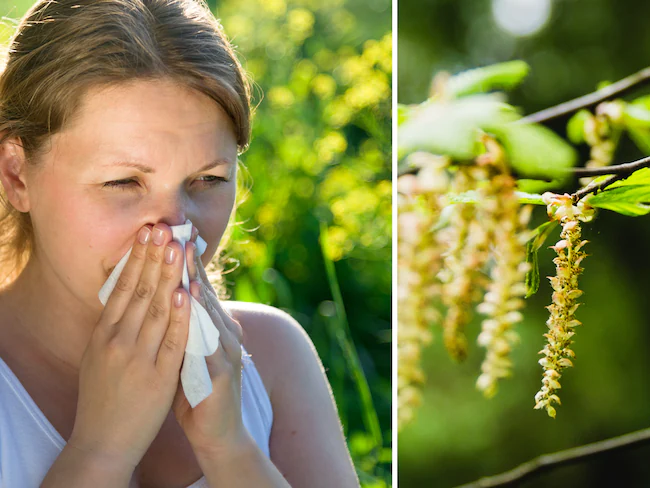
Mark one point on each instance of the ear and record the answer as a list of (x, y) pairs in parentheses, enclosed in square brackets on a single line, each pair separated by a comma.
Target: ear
[(13, 174)]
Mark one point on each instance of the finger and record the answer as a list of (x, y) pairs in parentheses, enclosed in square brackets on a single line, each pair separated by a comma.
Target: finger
[(128, 279), (195, 290), (180, 405), (231, 345), (204, 286), (213, 303), (157, 319), (190, 253), (191, 264), (203, 276), (212, 298), (172, 347), (146, 287)]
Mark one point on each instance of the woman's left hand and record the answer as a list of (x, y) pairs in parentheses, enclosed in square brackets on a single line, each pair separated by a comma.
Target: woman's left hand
[(216, 422)]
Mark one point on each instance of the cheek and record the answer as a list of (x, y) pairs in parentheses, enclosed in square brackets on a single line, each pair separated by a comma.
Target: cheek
[(212, 219), (76, 233)]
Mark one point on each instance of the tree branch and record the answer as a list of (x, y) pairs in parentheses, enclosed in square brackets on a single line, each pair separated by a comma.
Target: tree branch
[(618, 172), (547, 462), (625, 169), (616, 89), (595, 187)]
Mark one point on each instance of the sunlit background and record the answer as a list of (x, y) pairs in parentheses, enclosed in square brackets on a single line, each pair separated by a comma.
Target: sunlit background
[(458, 436), (315, 238)]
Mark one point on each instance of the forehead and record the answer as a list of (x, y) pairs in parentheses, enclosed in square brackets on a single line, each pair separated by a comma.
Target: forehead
[(150, 118)]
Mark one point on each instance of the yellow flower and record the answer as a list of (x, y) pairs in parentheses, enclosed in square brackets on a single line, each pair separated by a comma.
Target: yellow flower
[(504, 223), (465, 243), (562, 322), (418, 290)]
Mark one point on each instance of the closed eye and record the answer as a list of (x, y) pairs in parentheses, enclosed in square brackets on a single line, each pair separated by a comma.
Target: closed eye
[(126, 183)]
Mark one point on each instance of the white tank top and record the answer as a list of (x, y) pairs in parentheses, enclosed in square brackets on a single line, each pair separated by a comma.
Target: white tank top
[(29, 444)]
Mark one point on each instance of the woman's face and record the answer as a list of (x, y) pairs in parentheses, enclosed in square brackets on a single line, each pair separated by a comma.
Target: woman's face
[(83, 226)]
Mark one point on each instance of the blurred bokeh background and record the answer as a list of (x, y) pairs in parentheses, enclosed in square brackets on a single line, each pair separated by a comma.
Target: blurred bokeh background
[(315, 232), (458, 436)]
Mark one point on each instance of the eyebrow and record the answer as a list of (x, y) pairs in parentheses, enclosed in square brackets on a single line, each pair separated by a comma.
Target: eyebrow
[(148, 169)]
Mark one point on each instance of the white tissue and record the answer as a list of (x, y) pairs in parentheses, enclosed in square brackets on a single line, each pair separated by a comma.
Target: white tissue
[(203, 338)]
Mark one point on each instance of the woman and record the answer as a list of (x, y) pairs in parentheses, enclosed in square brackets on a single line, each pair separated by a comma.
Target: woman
[(118, 120)]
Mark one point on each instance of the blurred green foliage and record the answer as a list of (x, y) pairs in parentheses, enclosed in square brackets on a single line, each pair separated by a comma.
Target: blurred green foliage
[(458, 436), (320, 156)]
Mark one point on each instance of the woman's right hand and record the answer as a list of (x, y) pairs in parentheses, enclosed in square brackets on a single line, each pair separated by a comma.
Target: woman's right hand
[(130, 370)]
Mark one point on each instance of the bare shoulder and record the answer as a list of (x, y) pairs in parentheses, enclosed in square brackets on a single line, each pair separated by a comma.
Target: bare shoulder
[(307, 443), (272, 337)]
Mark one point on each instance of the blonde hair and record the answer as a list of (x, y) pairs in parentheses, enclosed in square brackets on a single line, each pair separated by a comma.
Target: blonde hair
[(62, 48)]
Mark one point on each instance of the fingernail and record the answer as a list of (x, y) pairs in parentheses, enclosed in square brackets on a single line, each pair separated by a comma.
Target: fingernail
[(158, 236), (170, 254), (178, 299), (144, 235), (196, 289)]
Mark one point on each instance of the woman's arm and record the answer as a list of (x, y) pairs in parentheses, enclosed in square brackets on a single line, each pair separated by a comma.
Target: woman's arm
[(78, 468), (307, 442), (242, 465)]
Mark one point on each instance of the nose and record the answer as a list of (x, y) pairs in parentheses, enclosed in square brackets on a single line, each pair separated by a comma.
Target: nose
[(172, 221), (170, 210)]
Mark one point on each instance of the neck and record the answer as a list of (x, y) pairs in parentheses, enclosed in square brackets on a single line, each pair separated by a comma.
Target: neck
[(43, 312)]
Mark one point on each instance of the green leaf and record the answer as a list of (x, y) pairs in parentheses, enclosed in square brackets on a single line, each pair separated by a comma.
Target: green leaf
[(538, 186), (530, 198), (575, 129), (532, 247), (628, 197), (636, 118), (643, 101), (479, 80), (640, 177), (636, 115), (625, 201), (640, 137), (472, 197), (536, 152), (452, 127)]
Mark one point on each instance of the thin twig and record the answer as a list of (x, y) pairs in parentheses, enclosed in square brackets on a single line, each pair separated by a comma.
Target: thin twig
[(616, 89), (619, 169), (595, 187), (547, 462), (589, 100), (618, 172)]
